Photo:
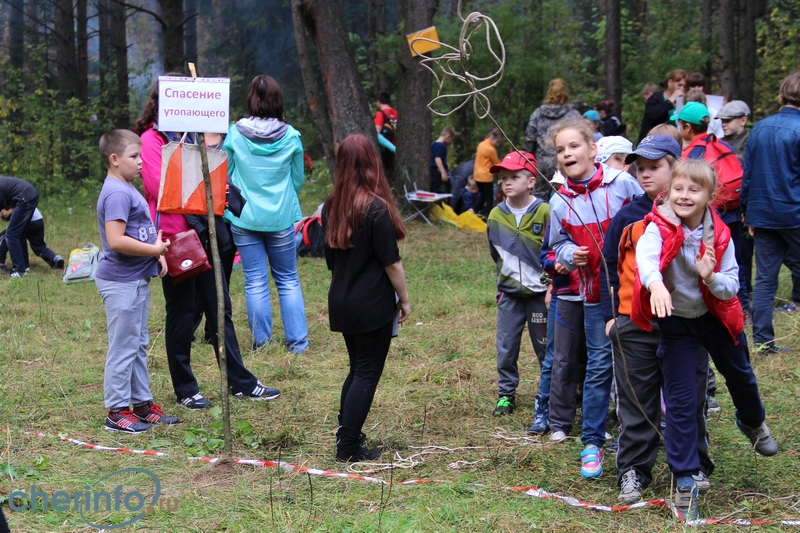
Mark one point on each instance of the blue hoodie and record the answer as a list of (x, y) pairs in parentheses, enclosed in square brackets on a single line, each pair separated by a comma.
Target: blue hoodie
[(265, 160)]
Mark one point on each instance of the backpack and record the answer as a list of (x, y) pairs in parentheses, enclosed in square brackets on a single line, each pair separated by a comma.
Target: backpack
[(309, 237), (729, 171), (82, 263), (387, 130)]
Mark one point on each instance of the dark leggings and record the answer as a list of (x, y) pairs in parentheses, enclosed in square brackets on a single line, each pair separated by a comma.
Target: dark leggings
[(367, 353), (485, 201)]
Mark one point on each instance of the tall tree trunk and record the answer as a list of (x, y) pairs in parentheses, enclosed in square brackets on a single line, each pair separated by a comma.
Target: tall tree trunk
[(707, 32), (82, 52), (727, 47), (347, 106), (749, 11), (172, 34), (614, 54), (315, 94), (67, 74), (32, 38), (119, 52), (104, 48), (376, 28), (190, 34), (16, 34), (414, 94)]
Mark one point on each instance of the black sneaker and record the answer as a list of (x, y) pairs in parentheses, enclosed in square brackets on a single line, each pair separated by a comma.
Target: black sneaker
[(58, 262), (769, 348), (361, 454), (124, 422), (712, 404), (505, 406), (260, 393), (195, 403), (152, 413), (762, 441)]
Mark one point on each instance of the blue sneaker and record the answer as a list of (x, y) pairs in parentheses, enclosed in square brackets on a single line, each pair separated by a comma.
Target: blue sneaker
[(592, 461), (686, 494), (541, 412)]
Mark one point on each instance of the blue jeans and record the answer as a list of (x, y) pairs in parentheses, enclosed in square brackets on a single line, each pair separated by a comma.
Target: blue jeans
[(547, 364), (259, 250), (599, 375), (772, 247)]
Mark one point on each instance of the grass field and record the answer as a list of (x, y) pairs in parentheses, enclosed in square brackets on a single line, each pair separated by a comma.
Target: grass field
[(432, 415)]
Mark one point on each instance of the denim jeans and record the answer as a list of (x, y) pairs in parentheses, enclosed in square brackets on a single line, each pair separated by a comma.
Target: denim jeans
[(772, 246), (599, 375), (547, 364), (277, 251)]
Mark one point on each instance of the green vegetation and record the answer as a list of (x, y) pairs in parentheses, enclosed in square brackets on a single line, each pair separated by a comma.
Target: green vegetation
[(431, 414)]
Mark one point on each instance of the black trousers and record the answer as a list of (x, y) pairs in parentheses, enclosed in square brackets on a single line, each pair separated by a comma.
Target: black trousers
[(20, 219), (179, 333), (34, 234), (485, 201), (367, 354), (637, 381)]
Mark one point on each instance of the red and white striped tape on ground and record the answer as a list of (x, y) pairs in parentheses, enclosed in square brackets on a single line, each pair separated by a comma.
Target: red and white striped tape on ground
[(534, 492)]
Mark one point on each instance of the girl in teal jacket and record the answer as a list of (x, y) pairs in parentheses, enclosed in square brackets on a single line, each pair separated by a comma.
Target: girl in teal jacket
[(265, 161)]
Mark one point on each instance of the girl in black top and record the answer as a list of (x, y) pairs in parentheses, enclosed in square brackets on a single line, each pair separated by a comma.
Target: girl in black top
[(368, 286)]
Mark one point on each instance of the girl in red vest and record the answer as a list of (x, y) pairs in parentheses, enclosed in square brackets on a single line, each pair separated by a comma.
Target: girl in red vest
[(687, 262)]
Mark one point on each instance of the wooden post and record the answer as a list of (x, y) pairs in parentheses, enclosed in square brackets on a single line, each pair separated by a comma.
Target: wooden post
[(215, 261)]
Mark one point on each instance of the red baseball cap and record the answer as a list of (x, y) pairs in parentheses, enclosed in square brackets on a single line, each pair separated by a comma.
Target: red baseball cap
[(517, 160)]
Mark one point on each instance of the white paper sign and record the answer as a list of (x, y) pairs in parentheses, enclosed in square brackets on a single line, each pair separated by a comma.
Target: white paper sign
[(194, 104)]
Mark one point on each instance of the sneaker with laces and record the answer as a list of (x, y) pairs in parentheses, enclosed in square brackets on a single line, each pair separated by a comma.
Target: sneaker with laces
[(686, 494), (260, 393), (702, 481), (711, 404), (558, 436), (592, 461), (505, 406), (630, 489), (769, 348), (762, 441), (541, 424), (58, 262), (152, 414), (195, 403), (16, 274), (124, 422)]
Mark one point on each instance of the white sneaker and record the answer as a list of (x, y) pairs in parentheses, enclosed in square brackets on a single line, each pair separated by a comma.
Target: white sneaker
[(558, 436)]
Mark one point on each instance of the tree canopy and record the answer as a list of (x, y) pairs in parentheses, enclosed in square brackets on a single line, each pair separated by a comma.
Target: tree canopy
[(73, 68)]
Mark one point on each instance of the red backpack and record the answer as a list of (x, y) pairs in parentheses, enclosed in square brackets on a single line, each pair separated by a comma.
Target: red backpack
[(728, 167)]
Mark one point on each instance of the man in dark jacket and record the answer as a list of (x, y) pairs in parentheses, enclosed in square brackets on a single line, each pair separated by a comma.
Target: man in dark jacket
[(771, 201)]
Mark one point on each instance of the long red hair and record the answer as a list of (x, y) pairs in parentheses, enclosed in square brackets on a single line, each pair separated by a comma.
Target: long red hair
[(359, 181)]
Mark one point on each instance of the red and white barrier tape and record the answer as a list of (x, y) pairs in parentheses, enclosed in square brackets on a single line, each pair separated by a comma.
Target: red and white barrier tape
[(532, 491)]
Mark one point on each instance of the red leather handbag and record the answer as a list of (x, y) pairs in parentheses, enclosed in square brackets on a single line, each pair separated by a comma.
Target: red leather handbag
[(186, 256)]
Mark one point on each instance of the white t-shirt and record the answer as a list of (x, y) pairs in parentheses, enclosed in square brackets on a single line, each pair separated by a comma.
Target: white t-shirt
[(518, 212)]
